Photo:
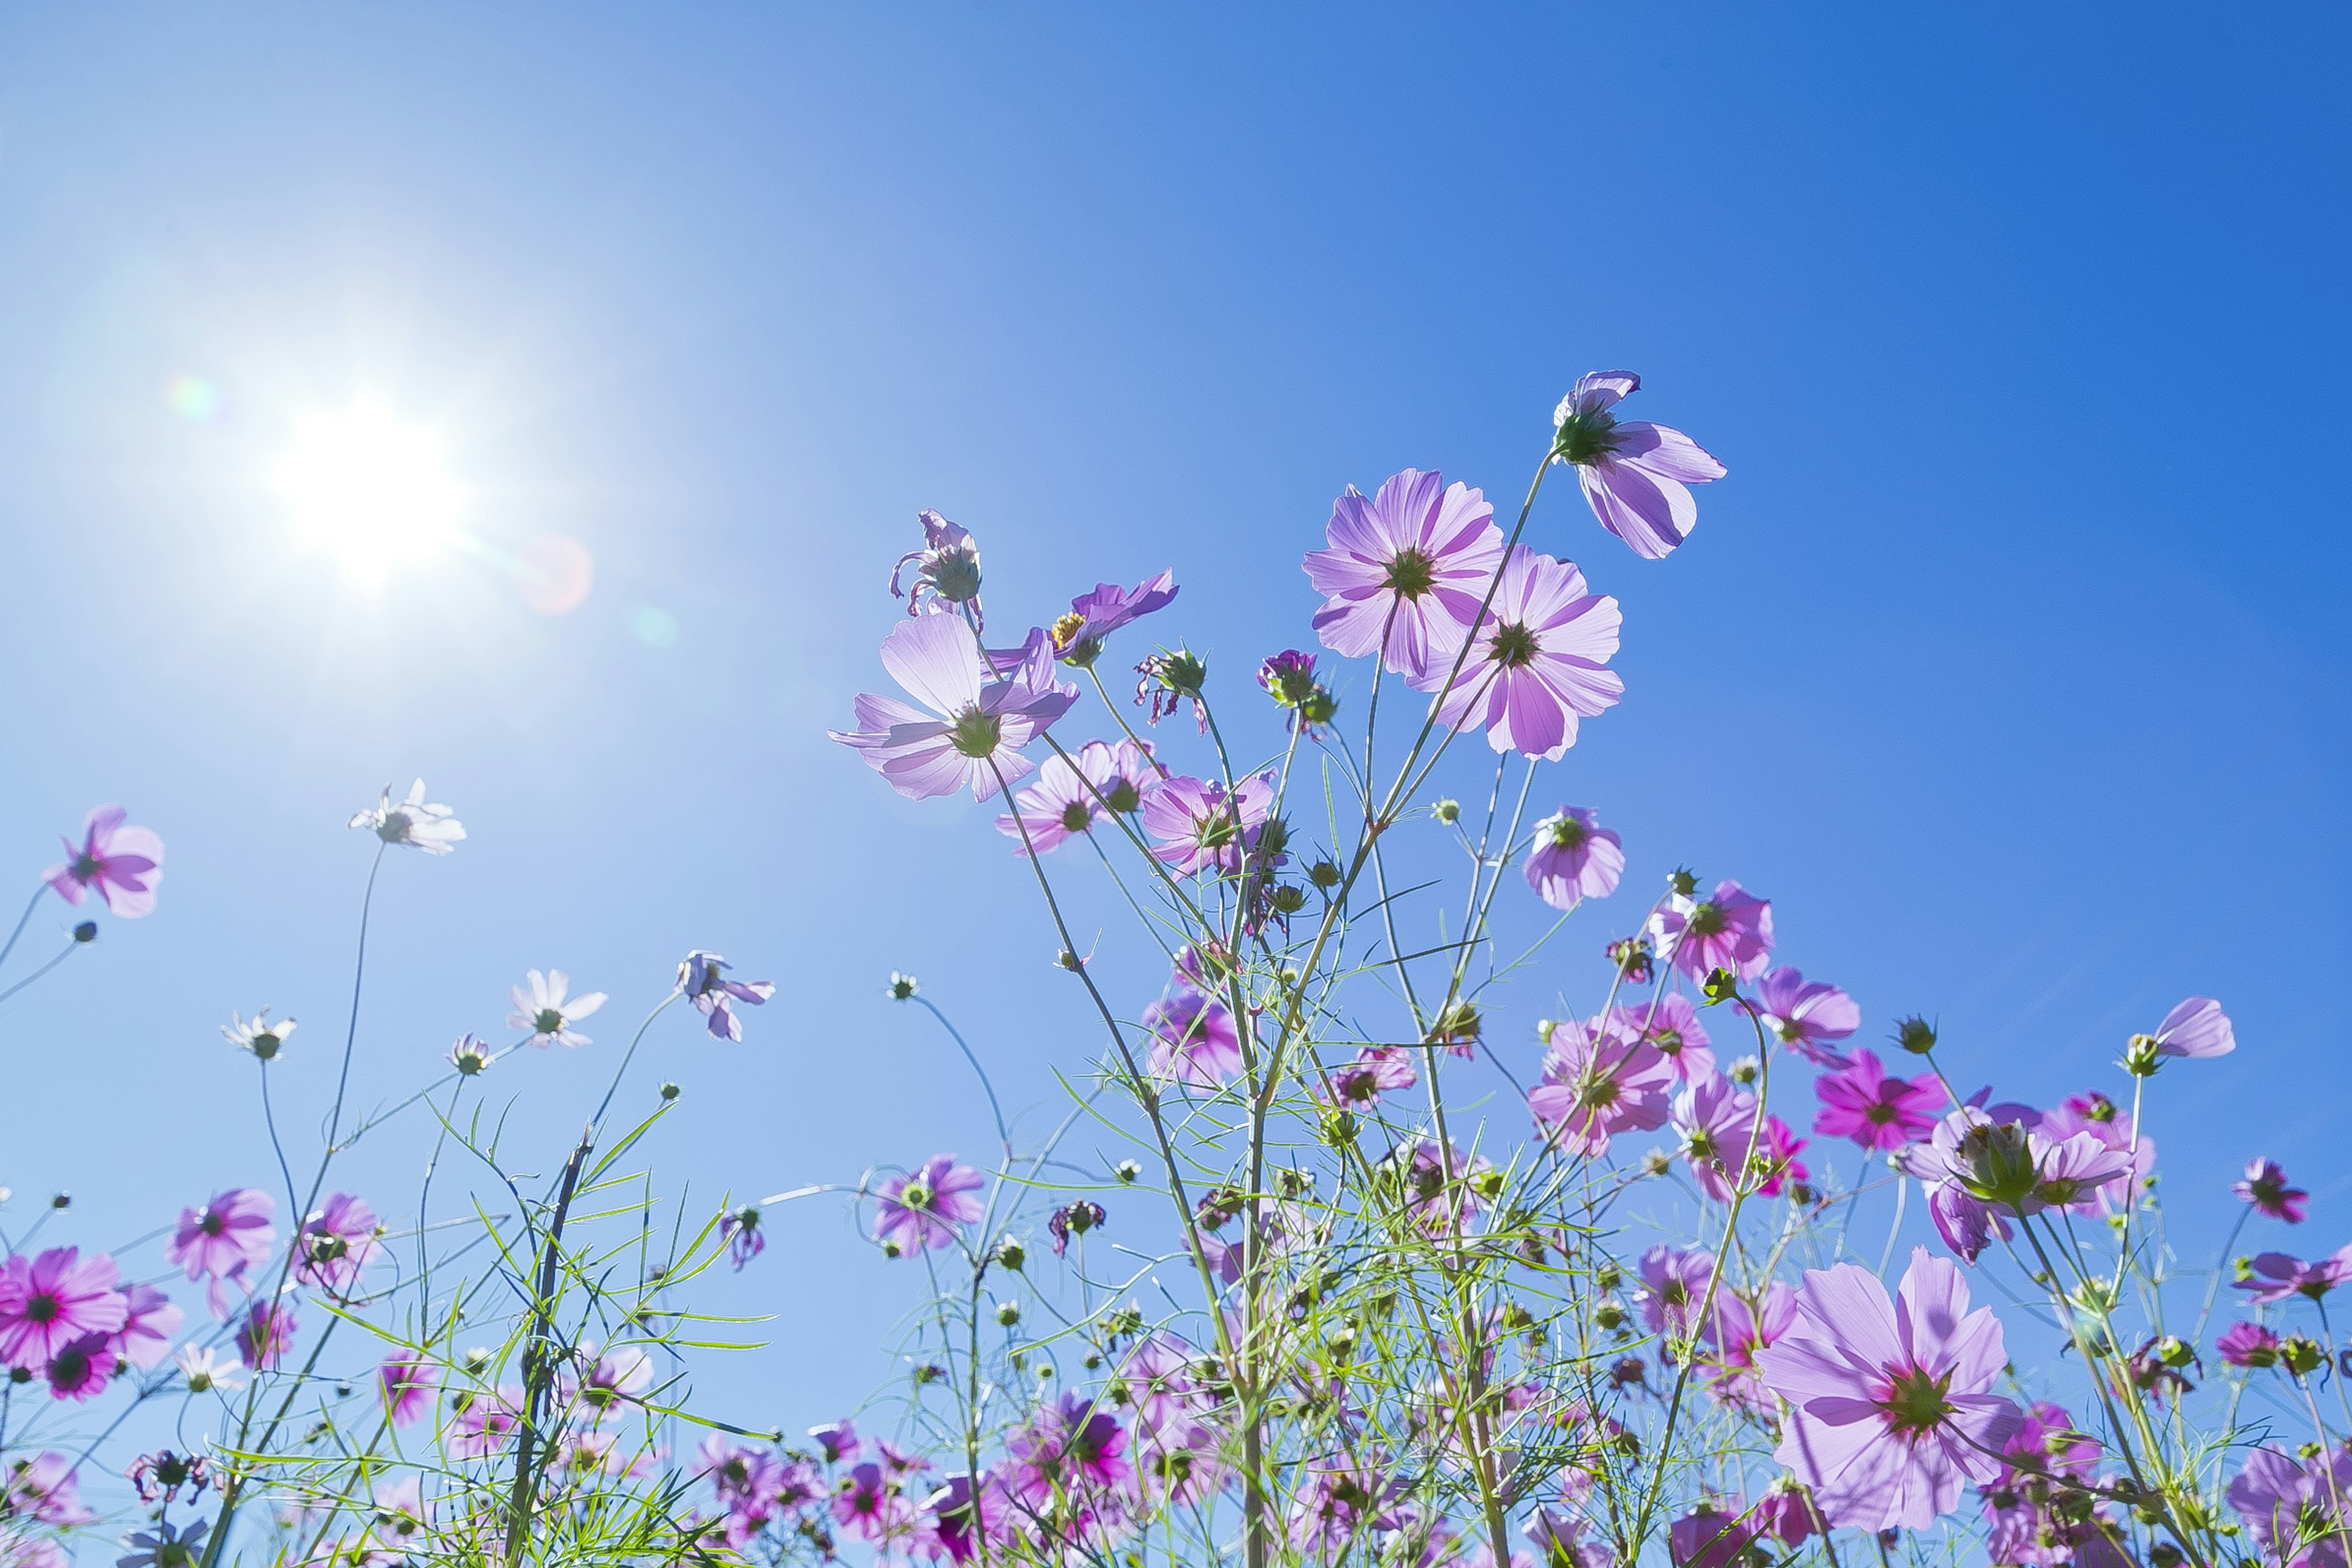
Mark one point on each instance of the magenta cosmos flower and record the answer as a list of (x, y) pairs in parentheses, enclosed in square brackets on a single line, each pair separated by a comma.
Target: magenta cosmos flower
[(1635, 475), (1070, 1447), (1716, 1120), (406, 1384), (49, 1302), (122, 864), (1573, 858), (922, 1208), (1195, 825), (80, 1369), (1192, 1040), (1079, 635), (269, 1328), (2295, 1510), (337, 1242), (2249, 1345), (1072, 793), (1406, 571), (1863, 1104), (1741, 1330), (2276, 1277), (1538, 662), (227, 1235), (1711, 1535), (1730, 929), (149, 1321), (2266, 1188), (1669, 1023), (1359, 1084), (703, 980), (1598, 1082), (1890, 1404), (1810, 1018), (977, 723)]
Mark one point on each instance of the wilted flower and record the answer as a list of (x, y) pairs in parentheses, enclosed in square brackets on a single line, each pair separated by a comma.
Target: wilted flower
[(741, 1232), (1073, 1219), (412, 822), (1634, 473), (947, 569), (158, 1477), (547, 1014), (703, 979), (1166, 681), (123, 865)]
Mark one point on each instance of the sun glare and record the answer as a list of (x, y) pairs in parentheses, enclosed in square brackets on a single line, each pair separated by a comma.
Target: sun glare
[(376, 490)]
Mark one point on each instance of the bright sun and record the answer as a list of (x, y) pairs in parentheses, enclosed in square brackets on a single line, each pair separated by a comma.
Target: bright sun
[(376, 490)]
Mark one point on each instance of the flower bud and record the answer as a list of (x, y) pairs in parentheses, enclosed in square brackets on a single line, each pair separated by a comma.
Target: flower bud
[(1998, 1163), (1721, 986), (1010, 1253), (1447, 811), (1127, 1171), (86, 933), (2140, 1058), (669, 1091), (1608, 1316), (1915, 1034), (1682, 881), (902, 986), (2301, 1354), (1289, 898), (1339, 1129), (1008, 1313), (1324, 874)]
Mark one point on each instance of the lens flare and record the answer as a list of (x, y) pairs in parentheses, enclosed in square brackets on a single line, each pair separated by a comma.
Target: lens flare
[(376, 491), (553, 574)]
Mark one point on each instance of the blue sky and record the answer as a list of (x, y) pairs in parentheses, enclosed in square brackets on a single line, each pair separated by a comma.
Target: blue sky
[(2009, 661)]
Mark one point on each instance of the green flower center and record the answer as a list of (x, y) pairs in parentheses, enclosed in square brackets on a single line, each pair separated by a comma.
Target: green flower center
[(1915, 1403), (1567, 833), (976, 734), (549, 1022), (916, 1194), (1074, 816), (1412, 574), (1514, 646), (1122, 795), (85, 867), (1707, 920), (1587, 438)]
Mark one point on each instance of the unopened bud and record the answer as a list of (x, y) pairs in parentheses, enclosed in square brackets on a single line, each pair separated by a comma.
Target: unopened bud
[(1448, 811), (1999, 1163), (1721, 986), (1008, 1313), (86, 933), (1324, 874), (1682, 880), (2140, 1058), (1915, 1034), (1010, 1253), (2301, 1354)]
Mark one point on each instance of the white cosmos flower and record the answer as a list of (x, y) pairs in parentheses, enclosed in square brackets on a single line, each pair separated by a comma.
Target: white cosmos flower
[(414, 821), (544, 1011), (208, 1368), (257, 1034)]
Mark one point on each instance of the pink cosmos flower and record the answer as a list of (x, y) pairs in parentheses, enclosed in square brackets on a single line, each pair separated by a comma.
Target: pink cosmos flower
[(1669, 1024), (2198, 1027), (1784, 1514), (922, 1208), (227, 1235), (1741, 1330), (1712, 1535), (1558, 1538), (1674, 1283), (1730, 929), (1161, 1385), (1178, 1466), (1376, 1069), (1437, 1203), (80, 1369), (1635, 475), (2295, 1511), (1875, 1110), (2095, 1114), (865, 1507), (1193, 1040), (1070, 1447), (125, 864), (1716, 1120), (46, 1489), (2278, 1278), (149, 1321), (337, 1242), (2249, 1345), (1574, 858), (838, 1441), (485, 1420), (977, 723), (49, 1302), (1808, 1018), (1599, 1082), (266, 1333), (618, 1377), (1067, 798), (405, 1383), (2265, 1187), (1195, 825), (1890, 1404), (1536, 664), (1779, 1153), (1405, 572), (2025, 1526), (703, 980)]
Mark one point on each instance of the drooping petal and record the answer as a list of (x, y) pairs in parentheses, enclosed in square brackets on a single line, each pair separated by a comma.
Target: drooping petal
[(1666, 452)]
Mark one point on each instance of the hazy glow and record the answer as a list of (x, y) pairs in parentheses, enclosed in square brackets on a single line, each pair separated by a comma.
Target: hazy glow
[(376, 491), (554, 574)]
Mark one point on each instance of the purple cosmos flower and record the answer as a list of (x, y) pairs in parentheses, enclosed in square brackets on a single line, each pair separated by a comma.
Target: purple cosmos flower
[(405, 1383), (1740, 1331), (922, 1208), (81, 1368), (1067, 798), (164, 1546), (1779, 1153), (1574, 858), (742, 1234), (617, 1377), (965, 1516), (2072, 1172), (123, 864), (158, 1477), (46, 1489), (337, 1242), (1193, 1040), (1599, 1081), (977, 723), (227, 1235), (1069, 1447), (2278, 1278), (1807, 1017), (547, 1014), (1890, 1409), (1079, 635), (49, 1302), (2028, 1523), (2098, 1116), (2295, 1511), (1674, 1283), (1730, 929), (1669, 1025), (1178, 1466), (1715, 1121), (1634, 474), (269, 1328), (1538, 663), (485, 1420), (1783, 1513), (1557, 1537), (1195, 825), (838, 1441), (865, 1506), (947, 570), (2265, 1187), (749, 1481), (1862, 1102), (1376, 1069), (1159, 1379), (1435, 1201), (2198, 1027), (415, 822), (150, 1319), (1405, 572), (703, 978), (1710, 1536), (1073, 1219), (2249, 1345)]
